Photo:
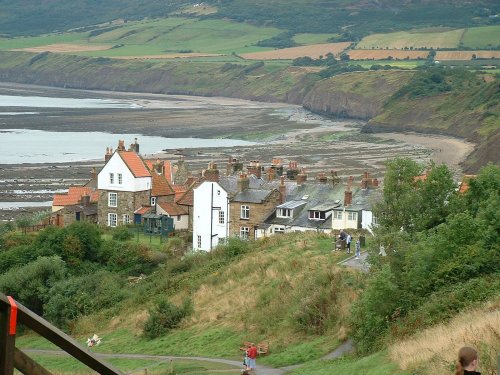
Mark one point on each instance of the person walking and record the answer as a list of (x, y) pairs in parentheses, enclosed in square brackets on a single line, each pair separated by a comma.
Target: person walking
[(252, 355), (348, 243), (467, 362), (358, 248)]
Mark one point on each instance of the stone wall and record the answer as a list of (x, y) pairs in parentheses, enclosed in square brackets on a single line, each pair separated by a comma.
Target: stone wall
[(258, 213), (127, 203)]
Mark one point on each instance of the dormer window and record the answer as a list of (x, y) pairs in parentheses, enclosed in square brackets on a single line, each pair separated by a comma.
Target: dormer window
[(317, 215), (284, 212)]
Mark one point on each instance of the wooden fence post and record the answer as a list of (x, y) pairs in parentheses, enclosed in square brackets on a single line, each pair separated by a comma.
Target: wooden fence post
[(7, 341)]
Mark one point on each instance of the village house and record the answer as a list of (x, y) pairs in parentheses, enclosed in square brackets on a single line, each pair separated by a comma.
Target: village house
[(124, 185), (78, 204), (210, 212), (309, 208), (355, 210)]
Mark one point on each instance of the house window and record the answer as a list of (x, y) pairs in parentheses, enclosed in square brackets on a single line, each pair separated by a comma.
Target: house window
[(221, 217), (112, 200), (352, 216), (112, 220), (284, 212), (244, 232), (153, 201), (374, 220), (120, 178), (317, 215), (126, 219), (178, 217), (245, 212), (337, 215), (199, 242), (218, 192), (111, 178), (279, 230)]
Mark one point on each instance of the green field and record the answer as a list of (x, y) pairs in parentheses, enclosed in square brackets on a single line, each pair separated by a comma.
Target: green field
[(482, 37), (416, 39), (159, 36)]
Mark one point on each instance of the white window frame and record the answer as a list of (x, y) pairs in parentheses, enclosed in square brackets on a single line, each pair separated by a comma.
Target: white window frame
[(111, 178), (153, 201), (279, 230), (199, 241), (317, 215), (245, 212), (120, 179), (337, 215), (352, 215), (222, 217), (284, 212), (126, 219), (112, 202), (244, 233), (112, 220)]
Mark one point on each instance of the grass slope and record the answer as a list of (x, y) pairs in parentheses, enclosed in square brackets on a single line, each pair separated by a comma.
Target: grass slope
[(482, 37), (159, 36)]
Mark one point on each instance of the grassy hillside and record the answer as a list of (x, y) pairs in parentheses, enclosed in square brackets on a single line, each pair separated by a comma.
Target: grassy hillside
[(448, 102), (351, 18)]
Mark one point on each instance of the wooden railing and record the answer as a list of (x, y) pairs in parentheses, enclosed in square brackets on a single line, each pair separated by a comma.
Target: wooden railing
[(13, 313)]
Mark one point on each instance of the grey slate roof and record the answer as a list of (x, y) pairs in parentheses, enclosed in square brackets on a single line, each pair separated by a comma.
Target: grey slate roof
[(252, 195), (320, 197), (362, 199), (292, 204)]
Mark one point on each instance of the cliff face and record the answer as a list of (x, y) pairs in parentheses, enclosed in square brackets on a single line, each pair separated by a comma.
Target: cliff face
[(471, 112), (355, 95)]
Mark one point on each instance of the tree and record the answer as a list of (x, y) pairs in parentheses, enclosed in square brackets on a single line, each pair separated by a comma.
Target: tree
[(396, 210)]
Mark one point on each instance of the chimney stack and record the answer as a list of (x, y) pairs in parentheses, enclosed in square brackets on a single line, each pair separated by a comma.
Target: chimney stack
[(271, 174), (282, 190), (211, 173), (348, 196), (243, 182), (121, 145), (301, 177), (109, 153), (335, 177), (85, 200), (93, 174), (321, 177), (255, 168)]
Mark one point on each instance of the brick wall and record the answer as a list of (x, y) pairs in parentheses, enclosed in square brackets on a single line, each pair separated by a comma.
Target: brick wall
[(127, 203)]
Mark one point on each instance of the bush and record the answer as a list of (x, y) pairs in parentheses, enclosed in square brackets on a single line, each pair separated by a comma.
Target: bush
[(122, 233), (164, 317)]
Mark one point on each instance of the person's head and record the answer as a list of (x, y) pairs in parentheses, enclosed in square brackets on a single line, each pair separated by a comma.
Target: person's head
[(467, 360)]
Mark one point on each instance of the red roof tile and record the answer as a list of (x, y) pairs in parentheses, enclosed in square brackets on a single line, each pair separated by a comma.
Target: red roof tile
[(167, 167), (173, 209), (160, 187), (143, 210), (74, 196), (179, 191), (187, 199), (134, 163)]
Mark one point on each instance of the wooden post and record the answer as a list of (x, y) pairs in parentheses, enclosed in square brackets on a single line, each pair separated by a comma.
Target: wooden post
[(7, 341), (27, 366)]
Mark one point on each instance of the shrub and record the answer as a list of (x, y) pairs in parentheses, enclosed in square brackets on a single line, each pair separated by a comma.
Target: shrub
[(164, 317), (122, 233)]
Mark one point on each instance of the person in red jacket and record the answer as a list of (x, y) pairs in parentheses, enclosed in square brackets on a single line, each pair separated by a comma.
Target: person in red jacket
[(252, 354)]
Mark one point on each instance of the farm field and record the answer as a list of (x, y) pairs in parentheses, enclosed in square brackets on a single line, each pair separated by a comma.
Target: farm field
[(482, 37), (314, 51), (415, 39), (152, 37), (370, 54), (466, 55)]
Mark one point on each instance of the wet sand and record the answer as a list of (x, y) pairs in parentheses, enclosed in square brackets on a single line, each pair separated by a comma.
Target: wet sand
[(284, 131)]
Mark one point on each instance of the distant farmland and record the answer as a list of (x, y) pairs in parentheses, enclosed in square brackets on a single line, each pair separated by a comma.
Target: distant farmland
[(314, 51), (415, 39), (482, 37), (371, 54), (466, 55)]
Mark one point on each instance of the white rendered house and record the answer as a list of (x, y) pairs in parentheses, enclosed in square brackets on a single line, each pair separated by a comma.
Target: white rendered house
[(210, 216)]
